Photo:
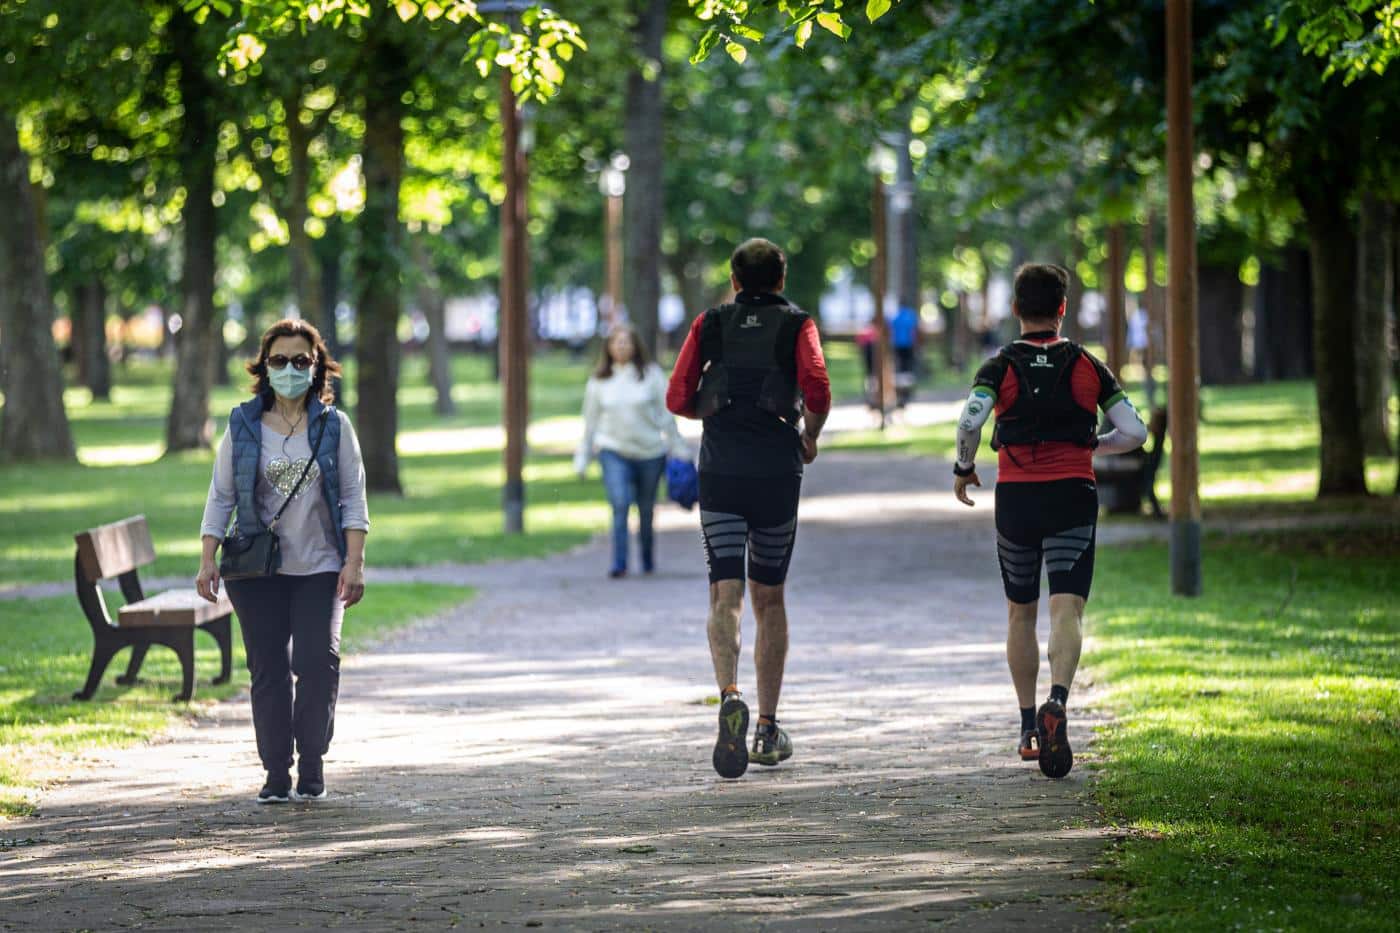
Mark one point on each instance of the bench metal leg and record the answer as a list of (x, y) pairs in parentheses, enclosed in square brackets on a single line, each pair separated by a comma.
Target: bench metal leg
[(103, 650), (222, 632), (182, 642), (133, 666)]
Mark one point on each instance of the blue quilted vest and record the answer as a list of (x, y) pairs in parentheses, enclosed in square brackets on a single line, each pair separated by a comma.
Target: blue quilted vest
[(245, 426)]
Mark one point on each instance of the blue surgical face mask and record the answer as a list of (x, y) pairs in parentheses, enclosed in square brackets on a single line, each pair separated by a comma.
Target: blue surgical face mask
[(290, 382)]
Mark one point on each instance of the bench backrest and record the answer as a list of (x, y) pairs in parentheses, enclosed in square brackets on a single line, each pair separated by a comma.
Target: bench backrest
[(115, 549)]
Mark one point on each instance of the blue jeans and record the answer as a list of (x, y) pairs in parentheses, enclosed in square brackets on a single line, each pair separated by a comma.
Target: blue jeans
[(627, 481)]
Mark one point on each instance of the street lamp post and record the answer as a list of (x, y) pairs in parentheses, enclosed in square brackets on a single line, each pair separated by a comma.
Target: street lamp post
[(613, 184), (513, 324)]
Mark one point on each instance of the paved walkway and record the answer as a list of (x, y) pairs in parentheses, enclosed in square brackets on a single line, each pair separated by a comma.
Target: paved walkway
[(540, 757)]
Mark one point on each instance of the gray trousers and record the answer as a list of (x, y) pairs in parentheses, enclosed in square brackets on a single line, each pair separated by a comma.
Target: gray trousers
[(291, 626)]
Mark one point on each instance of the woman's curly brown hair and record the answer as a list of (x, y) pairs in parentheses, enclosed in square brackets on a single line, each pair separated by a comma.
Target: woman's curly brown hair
[(326, 366)]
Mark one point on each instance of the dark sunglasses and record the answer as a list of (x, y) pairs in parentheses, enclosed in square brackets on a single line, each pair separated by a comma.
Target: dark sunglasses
[(300, 361)]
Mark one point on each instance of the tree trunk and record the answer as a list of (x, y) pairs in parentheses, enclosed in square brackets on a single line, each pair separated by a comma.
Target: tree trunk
[(1221, 310), (1074, 295), (434, 307), (327, 251), (1332, 249), (196, 354), (644, 206), (33, 424), (89, 317), (377, 270), (306, 286), (1375, 272), (1115, 317), (1283, 319)]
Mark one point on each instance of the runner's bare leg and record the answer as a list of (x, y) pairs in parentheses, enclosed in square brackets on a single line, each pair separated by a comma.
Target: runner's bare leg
[(726, 605), (1023, 649), (1066, 636), (771, 645)]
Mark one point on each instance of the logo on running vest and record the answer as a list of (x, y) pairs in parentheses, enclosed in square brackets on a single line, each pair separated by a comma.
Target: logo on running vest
[(751, 321), (1042, 361)]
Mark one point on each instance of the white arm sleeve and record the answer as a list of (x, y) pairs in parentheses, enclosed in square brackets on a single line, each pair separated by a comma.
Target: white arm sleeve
[(591, 406), (1128, 432), (974, 414)]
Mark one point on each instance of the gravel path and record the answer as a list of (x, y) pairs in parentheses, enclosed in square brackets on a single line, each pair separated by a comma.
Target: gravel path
[(540, 757)]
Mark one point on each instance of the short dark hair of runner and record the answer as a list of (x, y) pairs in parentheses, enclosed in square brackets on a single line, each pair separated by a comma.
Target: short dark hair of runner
[(1040, 290), (758, 265), (322, 386), (640, 359)]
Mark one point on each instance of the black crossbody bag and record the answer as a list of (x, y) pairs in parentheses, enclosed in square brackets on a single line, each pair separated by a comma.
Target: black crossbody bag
[(247, 557)]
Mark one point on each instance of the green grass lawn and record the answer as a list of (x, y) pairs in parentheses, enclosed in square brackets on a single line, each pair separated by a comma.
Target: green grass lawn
[(47, 647), (450, 510), (1252, 754)]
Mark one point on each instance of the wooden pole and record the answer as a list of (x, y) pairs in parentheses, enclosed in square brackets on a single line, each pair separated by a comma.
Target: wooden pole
[(1183, 329), (614, 270), (514, 346), (884, 364)]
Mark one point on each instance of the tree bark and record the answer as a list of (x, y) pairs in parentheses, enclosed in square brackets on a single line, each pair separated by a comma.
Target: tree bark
[(644, 206), (1332, 249), (89, 316), (196, 354), (1221, 309), (377, 269), (1115, 318), (1283, 319), (1375, 272), (434, 307), (33, 424), (306, 285)]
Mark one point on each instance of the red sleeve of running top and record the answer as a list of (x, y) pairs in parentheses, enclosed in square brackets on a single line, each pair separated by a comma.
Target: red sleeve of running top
[(811, 369), (685, 378)]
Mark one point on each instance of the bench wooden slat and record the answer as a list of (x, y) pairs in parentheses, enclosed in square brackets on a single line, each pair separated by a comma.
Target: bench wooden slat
[(112, 550), (173, 607)]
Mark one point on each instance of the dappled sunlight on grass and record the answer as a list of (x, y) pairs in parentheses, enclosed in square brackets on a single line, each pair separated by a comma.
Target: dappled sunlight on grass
[(1252, 749)]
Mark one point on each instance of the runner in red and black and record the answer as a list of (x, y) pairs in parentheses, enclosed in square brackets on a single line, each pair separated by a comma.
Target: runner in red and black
[(1046, 392), (753, 370)]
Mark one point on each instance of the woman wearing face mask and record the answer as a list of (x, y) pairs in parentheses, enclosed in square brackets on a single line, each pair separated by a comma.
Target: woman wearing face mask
[(626, 422), (288, 450)]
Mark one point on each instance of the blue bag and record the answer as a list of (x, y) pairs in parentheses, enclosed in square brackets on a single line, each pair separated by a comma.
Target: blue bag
[(682, 483)]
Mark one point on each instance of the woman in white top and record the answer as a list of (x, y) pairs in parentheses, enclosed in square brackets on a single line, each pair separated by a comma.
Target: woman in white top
[(288, 448), (626, 423)]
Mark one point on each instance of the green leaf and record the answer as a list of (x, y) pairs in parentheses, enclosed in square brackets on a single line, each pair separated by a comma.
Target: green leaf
[(804, 33), (748, 32), (874, 9), (736, 51), (833, 23), (705, 46)]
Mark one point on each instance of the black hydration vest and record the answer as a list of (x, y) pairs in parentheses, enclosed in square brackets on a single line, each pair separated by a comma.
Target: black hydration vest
[(1045, 409), (748, 356)]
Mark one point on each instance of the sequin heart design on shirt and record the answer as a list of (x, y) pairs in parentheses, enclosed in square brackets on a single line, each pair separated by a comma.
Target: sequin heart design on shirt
[(283, 475)]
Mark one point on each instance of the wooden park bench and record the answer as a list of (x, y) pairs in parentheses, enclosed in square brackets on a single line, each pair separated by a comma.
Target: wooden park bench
[(169, 618), (1124, 479)]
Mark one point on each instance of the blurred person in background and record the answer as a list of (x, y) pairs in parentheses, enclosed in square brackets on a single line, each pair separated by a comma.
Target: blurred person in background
[(626, 425)]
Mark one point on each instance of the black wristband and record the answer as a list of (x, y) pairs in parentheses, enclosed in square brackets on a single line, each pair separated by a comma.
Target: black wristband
[(959, 471)]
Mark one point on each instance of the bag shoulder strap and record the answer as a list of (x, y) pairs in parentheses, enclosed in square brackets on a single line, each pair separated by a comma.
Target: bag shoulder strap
[(315, 450)]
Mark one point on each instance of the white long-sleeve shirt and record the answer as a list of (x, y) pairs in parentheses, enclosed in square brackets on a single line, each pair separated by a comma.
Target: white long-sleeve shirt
[(305, 533), (628, 416)]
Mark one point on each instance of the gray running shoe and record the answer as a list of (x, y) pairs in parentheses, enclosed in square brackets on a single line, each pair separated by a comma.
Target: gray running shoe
[(730, 759), (770, 745)]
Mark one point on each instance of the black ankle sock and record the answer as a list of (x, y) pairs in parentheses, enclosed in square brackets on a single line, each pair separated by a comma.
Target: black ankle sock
[(1059, 693), (1027, 718)]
